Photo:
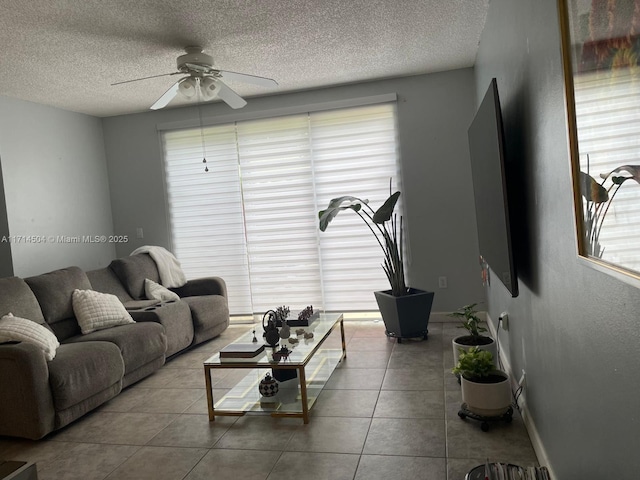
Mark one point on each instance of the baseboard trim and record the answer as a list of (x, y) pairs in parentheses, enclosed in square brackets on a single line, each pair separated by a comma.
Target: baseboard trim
[(529, 423)]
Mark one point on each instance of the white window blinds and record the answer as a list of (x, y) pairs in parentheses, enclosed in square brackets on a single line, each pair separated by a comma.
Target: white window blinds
[(608, 119), (252, 219)]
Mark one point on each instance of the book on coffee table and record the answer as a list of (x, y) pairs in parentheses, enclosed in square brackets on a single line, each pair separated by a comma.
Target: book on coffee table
[(241, 350)]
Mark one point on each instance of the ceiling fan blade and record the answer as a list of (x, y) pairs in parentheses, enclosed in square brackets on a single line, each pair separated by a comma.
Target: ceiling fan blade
[(246, 78), (146, 78), (230, 97), (166, 96)]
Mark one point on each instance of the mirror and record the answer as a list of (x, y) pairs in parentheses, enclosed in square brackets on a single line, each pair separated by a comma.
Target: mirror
[(601, 54)]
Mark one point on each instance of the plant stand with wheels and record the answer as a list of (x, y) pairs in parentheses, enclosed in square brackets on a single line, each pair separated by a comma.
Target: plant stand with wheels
[(424, 335), (464, 412)]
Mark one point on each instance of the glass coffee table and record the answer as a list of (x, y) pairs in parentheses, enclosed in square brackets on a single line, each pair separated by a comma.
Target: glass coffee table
[(312, 361)]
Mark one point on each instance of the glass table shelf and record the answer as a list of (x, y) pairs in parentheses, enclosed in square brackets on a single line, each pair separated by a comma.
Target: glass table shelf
[(313, 361)]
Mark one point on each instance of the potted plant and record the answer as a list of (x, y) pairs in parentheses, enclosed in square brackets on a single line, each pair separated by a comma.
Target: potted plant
[(405, 311), (486, 391), (470, 320), (598, 198)]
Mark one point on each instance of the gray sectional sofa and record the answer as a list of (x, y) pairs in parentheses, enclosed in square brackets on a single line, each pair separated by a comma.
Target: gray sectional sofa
[(39, 396)]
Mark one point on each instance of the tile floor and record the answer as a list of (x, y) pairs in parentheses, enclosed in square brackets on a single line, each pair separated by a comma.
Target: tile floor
[(388, 412)]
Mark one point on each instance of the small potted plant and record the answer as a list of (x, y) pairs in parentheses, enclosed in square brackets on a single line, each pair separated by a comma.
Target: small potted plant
[(405, 311), (486, 390), (470, 321)]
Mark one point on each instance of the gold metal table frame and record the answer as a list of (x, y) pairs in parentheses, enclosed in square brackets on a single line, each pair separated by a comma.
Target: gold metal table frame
[(244, 397)]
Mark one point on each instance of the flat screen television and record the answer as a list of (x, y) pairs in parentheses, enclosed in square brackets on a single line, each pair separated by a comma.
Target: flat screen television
[(486, 146)]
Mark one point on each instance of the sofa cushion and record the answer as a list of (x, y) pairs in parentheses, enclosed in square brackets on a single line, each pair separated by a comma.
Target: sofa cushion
[(19, 299), (81, 370), (139, 343), (105, 280), (53, 291), (210, 315), (16, 329), (132, 272), (156, 291), (97, 311), (175, 317)]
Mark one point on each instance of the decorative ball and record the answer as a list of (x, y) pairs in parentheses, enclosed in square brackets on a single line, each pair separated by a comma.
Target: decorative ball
[(268, 386)]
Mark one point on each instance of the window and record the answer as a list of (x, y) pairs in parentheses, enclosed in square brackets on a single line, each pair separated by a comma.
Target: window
[(252, 218), (607, 117)]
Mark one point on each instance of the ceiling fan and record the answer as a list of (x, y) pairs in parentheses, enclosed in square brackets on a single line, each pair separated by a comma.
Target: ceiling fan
[(202, 78)]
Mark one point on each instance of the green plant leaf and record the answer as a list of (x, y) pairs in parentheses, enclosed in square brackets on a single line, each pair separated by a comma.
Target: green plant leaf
[(619, 180), (336, 206), (633, 170), (474, 363), (383, 214), (591, 190)]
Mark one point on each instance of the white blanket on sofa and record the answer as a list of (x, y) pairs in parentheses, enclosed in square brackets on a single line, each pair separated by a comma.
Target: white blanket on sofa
[(171, 274)]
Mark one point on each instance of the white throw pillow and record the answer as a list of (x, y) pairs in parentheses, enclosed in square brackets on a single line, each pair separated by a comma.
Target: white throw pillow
[(16, 329), (155, 291), (97, 311)]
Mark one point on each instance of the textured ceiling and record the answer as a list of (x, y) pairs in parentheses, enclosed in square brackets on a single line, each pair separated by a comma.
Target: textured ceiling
[(67, 53)]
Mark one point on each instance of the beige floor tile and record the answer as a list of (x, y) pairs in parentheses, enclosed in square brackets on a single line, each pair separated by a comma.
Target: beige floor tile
[(359, 359), (254, 432), (356, 379), (388, 467), (412, 359), (410, 404), (331, 435), (368, 344), (315, 466), (200, 405), (371, 329), (413, 379), (86, 461), (193, 431), (194, 378), (159, 463), (127, 399), (465, 439), (234, 465), (37, 451), (345, 403), (116, 428), (411, 437), (167, 400), (158, 379)]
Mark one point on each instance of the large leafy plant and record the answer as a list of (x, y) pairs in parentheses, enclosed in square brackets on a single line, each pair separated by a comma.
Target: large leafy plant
[(384, 225), (598, 198)]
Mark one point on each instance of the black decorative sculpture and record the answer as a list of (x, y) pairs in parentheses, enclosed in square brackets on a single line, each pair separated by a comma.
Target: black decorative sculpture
[(269, 322)]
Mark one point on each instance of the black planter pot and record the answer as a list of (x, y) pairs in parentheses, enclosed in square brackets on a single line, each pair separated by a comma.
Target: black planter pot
[(406, 316)]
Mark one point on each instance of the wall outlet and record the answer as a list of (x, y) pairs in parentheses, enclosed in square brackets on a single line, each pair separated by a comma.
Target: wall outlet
[(504, 318), (139, 232), (442, 282)]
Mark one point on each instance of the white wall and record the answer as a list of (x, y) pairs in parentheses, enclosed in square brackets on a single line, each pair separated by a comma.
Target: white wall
[(434, 112), (55, 184)]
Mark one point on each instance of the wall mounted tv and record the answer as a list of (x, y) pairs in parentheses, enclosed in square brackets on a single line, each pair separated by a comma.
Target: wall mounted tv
[(486, 146)]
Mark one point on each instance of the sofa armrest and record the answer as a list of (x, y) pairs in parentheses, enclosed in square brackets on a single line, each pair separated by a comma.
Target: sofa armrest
[(202, 286), (26, 404)]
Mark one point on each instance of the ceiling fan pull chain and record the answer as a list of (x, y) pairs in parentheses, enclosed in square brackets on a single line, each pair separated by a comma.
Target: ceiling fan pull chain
[(204, 146)]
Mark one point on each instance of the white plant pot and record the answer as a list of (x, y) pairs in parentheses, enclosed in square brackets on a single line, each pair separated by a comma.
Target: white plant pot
[(487, 399), (490, 347)]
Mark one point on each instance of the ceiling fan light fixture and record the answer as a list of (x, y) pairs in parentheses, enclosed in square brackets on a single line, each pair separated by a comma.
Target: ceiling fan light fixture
[(187, 87), (209, 87)]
